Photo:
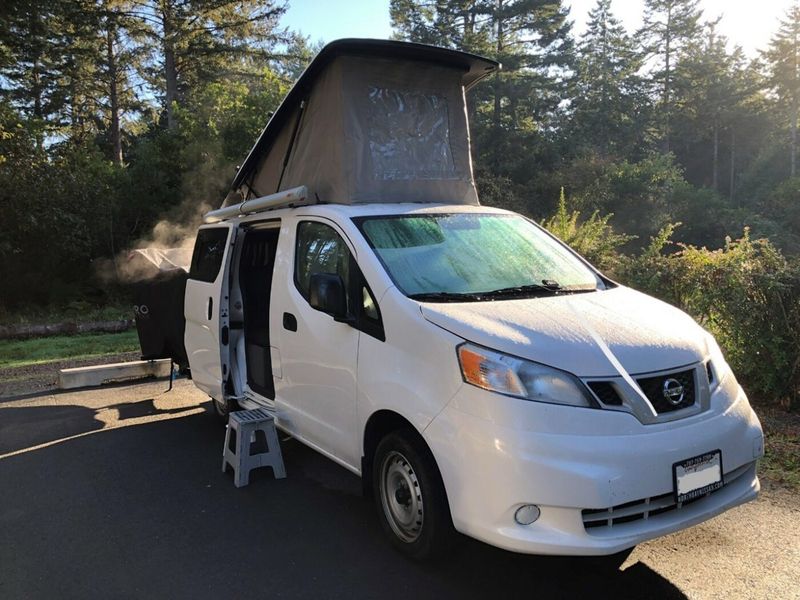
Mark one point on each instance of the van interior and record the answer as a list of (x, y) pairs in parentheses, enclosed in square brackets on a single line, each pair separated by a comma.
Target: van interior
[(255, 266)]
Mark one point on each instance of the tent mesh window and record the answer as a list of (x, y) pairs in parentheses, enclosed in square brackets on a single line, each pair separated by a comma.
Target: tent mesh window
[(409, 135)]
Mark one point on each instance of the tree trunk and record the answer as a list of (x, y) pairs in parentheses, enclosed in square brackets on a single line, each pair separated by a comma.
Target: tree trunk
[(497, 92), (667, 74), (36, 85), (170, 72), (794, 137), (469, 25), (74, 110), (113, 94), (715, 160), (604, 92), (732, 191), (24, 332), (795, 94), (37, 103)]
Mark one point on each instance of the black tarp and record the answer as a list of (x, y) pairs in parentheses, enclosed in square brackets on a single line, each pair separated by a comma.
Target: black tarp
[(159, 316)]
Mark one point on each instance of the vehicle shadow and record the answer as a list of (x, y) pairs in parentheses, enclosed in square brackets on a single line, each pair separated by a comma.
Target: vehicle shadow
[(29, 426), (145, 511), (143, 408)]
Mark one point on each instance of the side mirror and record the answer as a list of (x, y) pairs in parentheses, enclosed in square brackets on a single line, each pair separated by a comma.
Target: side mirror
[(326, 293)]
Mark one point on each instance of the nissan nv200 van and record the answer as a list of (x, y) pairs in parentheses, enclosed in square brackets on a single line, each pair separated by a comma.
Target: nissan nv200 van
[(478, 374)]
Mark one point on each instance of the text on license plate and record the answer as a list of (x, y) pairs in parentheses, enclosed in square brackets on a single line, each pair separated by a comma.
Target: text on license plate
[(697, 476)]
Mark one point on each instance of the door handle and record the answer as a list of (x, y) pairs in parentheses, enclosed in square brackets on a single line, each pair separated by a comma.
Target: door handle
[(210, 307), (289, 322)]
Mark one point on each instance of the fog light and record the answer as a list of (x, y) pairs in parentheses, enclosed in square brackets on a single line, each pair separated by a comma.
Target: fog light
[(527, 514)]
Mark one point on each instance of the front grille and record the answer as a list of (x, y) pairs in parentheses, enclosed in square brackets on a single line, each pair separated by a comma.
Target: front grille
[(653, 388), (605, 392), (646, 508)]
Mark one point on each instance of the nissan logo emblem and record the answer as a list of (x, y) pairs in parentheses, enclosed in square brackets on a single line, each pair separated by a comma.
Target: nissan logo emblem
[(673, 391)]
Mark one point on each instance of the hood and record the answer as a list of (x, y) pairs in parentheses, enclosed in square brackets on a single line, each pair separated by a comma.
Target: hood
[(584, 334)]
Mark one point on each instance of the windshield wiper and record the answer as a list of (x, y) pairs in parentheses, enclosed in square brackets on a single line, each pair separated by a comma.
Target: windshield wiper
[(548, 287), (446, 297)]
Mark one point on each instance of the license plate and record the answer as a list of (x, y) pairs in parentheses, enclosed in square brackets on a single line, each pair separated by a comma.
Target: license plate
[(695, 477)]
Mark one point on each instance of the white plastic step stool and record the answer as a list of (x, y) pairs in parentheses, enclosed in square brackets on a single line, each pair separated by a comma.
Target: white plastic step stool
[(246, 424)]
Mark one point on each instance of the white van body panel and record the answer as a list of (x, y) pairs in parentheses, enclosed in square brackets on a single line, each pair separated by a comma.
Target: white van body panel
[(406, 376), (316, 393), (567, 460), (575, 333), (495, 452), (206, 312)]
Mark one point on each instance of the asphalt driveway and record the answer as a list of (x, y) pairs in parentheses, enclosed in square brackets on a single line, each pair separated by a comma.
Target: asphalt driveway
[(118, 492)]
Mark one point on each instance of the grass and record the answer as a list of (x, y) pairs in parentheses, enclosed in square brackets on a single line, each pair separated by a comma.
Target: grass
[(78, 312), (22, 353), (781, 462)]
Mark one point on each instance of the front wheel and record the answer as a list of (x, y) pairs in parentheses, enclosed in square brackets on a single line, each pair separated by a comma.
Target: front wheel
[(410, 497)]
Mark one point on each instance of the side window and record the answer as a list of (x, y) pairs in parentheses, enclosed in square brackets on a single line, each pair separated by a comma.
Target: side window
[(209, 248), (369, 318), (320, 250), (368, 305)]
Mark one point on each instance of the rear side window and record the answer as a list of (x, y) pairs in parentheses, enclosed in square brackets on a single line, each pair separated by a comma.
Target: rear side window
[(209, 249)]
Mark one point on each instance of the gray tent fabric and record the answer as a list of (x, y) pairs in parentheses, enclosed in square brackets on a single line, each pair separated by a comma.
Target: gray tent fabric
[(384, 126)]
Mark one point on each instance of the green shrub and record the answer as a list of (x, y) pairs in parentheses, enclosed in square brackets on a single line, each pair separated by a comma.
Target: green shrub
[(639, 194), (747, 294), (593, 238)]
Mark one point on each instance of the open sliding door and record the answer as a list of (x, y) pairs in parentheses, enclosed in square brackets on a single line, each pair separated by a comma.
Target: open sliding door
[(206, 309)]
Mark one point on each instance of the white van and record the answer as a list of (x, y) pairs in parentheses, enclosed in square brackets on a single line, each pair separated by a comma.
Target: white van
[(477, 374)]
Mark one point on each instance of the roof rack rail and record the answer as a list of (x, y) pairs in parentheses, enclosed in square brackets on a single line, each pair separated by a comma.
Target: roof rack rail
[(297, 196)]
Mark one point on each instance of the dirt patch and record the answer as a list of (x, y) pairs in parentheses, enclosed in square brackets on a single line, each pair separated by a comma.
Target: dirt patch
[(16, 381)]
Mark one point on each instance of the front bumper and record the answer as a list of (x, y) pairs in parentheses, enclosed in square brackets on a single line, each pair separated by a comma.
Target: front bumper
[(496, 454)]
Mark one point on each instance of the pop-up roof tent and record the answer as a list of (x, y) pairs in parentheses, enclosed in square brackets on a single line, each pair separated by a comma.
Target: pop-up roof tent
[(370, 121)]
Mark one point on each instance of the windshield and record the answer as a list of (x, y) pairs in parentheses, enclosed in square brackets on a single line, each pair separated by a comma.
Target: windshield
[(444, 256)]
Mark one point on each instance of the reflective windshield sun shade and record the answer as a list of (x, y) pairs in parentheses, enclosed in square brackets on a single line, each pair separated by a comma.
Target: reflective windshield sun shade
[(466, 253)]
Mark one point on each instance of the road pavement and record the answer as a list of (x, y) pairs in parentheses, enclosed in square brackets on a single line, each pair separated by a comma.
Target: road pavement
[(118, 493)]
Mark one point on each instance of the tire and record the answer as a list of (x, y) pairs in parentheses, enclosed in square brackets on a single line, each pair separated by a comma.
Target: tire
[(410, 497), (224, 408)]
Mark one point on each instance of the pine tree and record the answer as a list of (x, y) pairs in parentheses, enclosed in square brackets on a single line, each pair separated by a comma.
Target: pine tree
[(529, 37), (609, 96), (783, 58), (122, 58), (668, 26), (66, 67), (195, 41), (33, 44), (79, 71), (422, 21), (704, 90)]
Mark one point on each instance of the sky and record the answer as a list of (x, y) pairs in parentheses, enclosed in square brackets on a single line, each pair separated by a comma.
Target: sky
[(749, 23)]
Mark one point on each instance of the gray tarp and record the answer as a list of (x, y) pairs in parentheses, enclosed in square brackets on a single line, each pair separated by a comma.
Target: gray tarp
[(372, 128)]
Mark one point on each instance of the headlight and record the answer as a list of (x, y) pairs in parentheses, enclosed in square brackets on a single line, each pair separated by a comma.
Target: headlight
[(719, 366), (514, 376)]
